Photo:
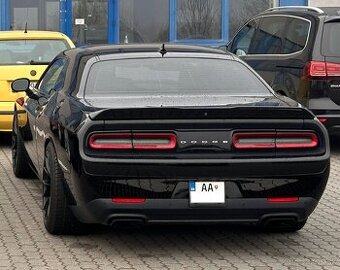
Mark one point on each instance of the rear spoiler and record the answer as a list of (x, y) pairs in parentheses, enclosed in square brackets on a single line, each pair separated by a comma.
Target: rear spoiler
[(202, 113)]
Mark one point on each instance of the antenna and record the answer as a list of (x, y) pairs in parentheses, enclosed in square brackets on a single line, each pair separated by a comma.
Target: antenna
[(163, 51), (26, 21)]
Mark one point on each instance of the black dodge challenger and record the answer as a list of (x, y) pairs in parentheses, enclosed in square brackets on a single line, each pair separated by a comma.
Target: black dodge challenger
[(166, 134)]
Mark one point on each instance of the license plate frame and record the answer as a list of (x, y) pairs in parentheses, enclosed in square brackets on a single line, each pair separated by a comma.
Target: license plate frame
[(206, 192)]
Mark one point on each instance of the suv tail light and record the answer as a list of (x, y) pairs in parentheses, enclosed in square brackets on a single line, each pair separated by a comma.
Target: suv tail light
[(139, 141), (273, 140), (321, 70)]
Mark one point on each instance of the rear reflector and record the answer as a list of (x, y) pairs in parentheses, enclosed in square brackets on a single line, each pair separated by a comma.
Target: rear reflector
[(273, 140), (315, 69), (283, 200), (138, 141), (128, 200), (323, 119)]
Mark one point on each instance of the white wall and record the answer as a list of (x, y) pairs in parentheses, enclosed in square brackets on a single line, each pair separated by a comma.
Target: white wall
[(324, 3)]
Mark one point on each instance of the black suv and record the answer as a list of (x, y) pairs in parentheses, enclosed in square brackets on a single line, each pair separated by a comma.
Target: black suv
[(297, 51)]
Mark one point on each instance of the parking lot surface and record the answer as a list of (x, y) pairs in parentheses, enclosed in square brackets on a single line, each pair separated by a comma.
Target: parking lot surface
[(24, 243)]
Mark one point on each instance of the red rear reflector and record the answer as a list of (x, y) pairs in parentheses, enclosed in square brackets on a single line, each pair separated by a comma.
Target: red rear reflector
[(273, 140), (110, 141), (138, 141), (128, 200), (320, 69), (21, 101), (283, 200), (144, 141), (323, 120)]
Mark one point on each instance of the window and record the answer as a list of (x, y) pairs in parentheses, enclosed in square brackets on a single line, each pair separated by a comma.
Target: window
[(331, 39), (144, 21), (22, 52), (199, 19), (171, 76), (89, 21), (243, 39), (54, 77), (38, 14), (242, 10), (269, 36), (296, 36)]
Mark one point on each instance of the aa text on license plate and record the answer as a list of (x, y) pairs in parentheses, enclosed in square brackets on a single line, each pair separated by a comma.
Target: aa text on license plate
[(206, 192)]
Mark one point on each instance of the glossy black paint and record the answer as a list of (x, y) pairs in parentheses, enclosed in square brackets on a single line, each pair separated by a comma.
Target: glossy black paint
[(285, 73), (94, 177)]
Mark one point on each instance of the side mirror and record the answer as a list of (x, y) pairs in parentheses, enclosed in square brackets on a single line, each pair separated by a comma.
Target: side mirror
[(240, 52), (20, 85)]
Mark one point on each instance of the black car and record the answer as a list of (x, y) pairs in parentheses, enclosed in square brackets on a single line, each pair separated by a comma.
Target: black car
[(162, 135), (296, 50)]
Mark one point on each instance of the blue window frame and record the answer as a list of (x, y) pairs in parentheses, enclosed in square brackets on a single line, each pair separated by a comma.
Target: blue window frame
[(4, 15)]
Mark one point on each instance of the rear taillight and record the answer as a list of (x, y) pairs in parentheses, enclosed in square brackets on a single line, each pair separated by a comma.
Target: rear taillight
[(274, 140), (321, 70), (139, 141), (154, 141), (110, 141)]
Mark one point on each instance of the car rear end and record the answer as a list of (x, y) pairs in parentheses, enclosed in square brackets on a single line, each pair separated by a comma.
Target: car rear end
[(322, 74), (24, 55), (230, 156)]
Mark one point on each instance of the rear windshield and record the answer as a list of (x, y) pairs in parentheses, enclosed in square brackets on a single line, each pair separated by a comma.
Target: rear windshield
[(23, 52), (179, 76), (331, 39)]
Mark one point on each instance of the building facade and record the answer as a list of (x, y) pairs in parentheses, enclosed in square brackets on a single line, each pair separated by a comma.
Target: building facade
[(205, 22)]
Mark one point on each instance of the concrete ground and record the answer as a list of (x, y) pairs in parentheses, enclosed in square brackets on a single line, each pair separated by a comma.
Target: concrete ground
[(25, 244)]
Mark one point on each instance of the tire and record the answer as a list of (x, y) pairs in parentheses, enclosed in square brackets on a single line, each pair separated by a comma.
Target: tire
[(283, 227), (58, 217), (20, 161)]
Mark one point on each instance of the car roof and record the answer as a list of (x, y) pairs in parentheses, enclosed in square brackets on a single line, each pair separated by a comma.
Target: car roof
[(143, 48), (5, 35)]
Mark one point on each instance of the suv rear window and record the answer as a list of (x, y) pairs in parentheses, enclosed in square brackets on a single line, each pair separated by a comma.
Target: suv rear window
[(331, 39), (23, 52), (179, 76)]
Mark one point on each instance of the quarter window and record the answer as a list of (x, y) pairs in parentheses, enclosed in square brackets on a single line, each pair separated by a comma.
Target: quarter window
[(269, 36), (243, 39), (296, 36), (54, 78)]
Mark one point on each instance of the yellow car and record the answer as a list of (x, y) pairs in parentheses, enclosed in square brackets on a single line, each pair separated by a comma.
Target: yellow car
[(24, 55)]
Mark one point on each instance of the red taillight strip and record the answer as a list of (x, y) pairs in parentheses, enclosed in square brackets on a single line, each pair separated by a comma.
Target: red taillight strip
[(128, 200), (302, 140), (138, 141), (110, 141), (283, 200), (273, 140), (260, 140), (145, 141)]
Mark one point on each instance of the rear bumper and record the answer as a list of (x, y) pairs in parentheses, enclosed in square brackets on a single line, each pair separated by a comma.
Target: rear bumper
[(6, 116), (235, 211), (332, 123)]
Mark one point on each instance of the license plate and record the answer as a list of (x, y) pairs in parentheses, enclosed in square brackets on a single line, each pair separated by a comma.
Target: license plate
[(207, 192)]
